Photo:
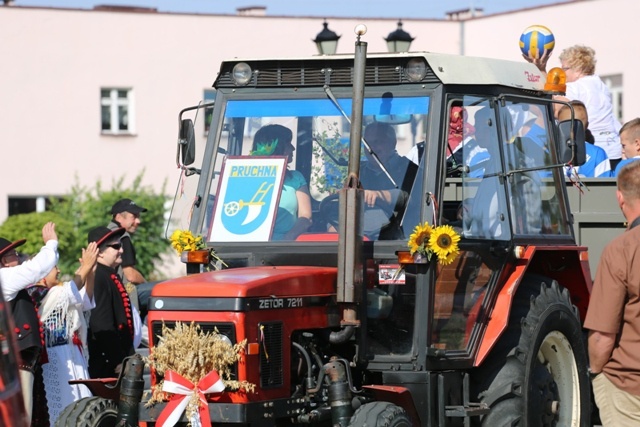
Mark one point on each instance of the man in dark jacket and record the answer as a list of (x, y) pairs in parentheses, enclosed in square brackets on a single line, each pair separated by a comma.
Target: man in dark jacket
[(111, 325)]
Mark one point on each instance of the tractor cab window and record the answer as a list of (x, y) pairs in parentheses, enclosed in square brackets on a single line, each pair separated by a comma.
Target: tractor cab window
[(484, 208), (315, 139), (534, 185), (502, 156), (459, 292)]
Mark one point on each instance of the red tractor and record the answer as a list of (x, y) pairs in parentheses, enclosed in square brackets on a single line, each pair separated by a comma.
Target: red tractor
[(343, 326)]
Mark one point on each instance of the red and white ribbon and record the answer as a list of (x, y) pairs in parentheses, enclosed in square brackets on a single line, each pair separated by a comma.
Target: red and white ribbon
[(182, 390)]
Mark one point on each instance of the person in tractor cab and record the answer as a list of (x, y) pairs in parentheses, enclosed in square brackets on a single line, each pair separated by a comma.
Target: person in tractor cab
[(379, 191), (294, 210), (487, 207)]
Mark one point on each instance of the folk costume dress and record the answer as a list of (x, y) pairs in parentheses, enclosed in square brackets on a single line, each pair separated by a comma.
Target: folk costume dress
[(62, 314), (111, 324)]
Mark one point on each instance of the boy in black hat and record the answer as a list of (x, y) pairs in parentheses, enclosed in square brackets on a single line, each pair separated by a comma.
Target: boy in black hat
[(112, 322), (15, 278)]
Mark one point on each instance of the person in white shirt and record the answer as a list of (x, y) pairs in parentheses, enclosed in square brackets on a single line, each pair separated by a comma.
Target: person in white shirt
[(579, 64), (15, 278), (62, 307)]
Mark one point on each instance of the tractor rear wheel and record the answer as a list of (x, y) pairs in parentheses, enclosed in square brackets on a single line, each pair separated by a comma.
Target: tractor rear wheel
[(89, 412), (544, 381), (380, 414)]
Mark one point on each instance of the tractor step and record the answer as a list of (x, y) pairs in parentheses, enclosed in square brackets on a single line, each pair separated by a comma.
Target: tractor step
[(470, 410)]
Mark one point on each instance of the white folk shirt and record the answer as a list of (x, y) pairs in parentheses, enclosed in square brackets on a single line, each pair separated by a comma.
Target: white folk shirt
[(15, 279), (596, 97)]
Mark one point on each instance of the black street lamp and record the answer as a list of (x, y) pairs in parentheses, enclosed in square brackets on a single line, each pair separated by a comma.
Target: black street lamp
[(399, 40), (327, 41)]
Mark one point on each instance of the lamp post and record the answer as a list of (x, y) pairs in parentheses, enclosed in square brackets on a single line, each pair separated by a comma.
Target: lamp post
[(326, 41), (399, 40)]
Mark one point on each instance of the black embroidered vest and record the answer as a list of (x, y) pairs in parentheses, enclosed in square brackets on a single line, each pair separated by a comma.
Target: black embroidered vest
[(27, 323)]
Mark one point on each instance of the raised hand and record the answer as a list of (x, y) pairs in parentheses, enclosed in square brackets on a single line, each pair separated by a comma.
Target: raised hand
[(49, 232), (541, 62)]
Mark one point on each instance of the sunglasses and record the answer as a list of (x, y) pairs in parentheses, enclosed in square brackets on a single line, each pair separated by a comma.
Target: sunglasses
[(116, 246)]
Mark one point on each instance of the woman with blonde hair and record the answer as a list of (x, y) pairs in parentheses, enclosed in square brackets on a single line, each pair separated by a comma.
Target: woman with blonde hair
[(579, 64)]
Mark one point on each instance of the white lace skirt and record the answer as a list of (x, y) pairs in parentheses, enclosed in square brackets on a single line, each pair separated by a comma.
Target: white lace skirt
[(65, 363)]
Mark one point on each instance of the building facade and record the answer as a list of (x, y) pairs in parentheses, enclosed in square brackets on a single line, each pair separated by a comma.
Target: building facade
[(91, 95)]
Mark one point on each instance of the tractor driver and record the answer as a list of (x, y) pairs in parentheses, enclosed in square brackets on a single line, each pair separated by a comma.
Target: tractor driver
[(379, 191)]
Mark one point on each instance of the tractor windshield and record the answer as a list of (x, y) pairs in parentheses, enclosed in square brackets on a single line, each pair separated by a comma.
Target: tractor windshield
[(284, 160)]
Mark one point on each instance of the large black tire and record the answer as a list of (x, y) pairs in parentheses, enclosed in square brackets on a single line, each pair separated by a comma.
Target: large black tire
[(380, 414), (544, 379), (89, 412)]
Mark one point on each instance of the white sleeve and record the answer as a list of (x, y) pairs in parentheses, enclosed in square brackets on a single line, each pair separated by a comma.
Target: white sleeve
[(137, 327), (73, 293), (15, 279), (85, 302)]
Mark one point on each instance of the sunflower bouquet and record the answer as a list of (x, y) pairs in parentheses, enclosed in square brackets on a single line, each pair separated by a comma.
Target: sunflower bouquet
[(441, 241), (185, 241)]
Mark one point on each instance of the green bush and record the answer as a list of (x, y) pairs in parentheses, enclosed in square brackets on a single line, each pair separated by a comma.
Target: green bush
[(86, 208), (29, 226)]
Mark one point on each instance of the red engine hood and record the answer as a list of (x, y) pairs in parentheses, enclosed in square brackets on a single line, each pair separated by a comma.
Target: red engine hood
[(252, 282)]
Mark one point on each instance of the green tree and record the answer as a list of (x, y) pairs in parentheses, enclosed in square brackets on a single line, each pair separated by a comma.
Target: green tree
[(29, 227), (85, 208)]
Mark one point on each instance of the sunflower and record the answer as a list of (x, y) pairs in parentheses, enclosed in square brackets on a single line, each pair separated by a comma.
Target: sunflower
[(419, 239), (443, 241), (449, 258), (184, 240)]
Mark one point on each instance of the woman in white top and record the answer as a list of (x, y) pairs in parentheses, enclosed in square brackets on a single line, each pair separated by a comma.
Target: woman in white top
[(579, 64), (62, 308)]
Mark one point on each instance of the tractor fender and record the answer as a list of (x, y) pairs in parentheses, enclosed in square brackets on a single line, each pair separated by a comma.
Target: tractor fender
[(499, 316)]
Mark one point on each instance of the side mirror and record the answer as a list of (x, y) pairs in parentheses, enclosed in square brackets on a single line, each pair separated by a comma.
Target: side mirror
[(571, 147), (187, 142)]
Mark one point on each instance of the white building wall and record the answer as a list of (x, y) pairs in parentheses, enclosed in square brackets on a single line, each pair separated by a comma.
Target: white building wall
[(55, 61)]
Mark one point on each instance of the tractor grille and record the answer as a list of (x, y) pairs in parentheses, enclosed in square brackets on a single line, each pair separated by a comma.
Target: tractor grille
[(227, 329), (334, 72), (271, 364)]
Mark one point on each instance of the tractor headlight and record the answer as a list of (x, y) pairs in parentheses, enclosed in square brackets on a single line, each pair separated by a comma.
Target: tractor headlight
[(241, 74), (416, 69)]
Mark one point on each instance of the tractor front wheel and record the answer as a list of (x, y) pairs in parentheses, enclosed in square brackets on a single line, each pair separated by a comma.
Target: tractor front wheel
[(89, 412), (380, 414)]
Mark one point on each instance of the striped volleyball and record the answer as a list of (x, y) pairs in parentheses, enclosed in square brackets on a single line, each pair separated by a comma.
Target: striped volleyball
[(536, 40)]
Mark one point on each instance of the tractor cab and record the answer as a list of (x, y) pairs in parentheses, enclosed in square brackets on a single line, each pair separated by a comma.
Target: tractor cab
[(480, 152)]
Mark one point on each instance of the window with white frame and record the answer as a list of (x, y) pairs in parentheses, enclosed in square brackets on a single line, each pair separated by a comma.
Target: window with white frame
[(116, 106), (614, 82)]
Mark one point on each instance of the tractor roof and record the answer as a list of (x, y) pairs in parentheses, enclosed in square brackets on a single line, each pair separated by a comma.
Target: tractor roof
[(385, 68)]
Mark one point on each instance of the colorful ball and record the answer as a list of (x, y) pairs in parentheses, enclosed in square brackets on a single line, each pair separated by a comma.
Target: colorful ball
[(536, 40)]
